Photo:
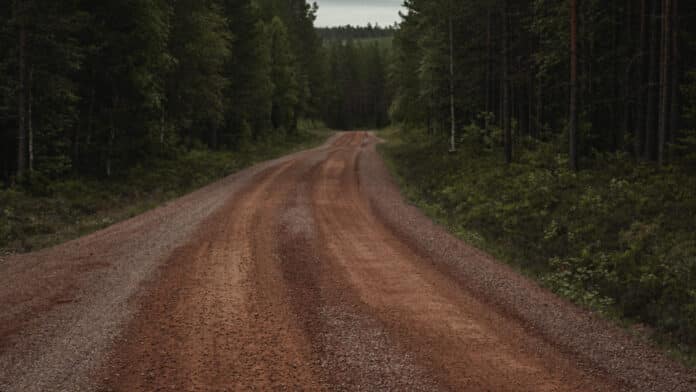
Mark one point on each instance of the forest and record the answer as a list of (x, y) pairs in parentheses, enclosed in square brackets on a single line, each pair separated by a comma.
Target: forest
[(94, 88), (615, 77), (558, 135), (570, 126), (109, 108), (358, 95)]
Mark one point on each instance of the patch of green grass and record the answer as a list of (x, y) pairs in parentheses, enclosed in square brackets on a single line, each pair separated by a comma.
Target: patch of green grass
[(616, 237), (31, 220)]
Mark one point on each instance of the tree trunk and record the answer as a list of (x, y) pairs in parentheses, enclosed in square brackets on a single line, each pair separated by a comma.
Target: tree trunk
[(431, 115), (489, 73), (530, 105), (112, 137), (639, 135), (539, 109), (628, 88), (650, 134), (674, 101), (609, 107), (109, 151), (30, 127), (664, 79), (21, 91), (429, 120), (213, 138), (90, 114), (499, 101), (507, 132), (162, 127), (573, 121), (453, 146)]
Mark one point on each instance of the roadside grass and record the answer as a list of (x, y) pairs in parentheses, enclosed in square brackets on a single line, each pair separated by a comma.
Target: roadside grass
[(33, 218), (616, 238)]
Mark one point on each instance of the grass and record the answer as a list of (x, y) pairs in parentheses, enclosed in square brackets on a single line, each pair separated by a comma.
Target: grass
[(616, 238), (32, 219)]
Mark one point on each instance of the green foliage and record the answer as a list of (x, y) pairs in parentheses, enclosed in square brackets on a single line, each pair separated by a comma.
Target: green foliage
[(579, 278), (358, 95), (200, 47), (109, 85), (286, 88), (65, 209), (139, 101), (616, 237), (512, 59)]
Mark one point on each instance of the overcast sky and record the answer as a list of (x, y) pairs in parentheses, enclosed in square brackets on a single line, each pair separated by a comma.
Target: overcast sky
[(357, 12)]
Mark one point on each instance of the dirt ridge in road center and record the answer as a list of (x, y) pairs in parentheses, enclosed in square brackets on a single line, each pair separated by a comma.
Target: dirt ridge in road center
[(61, 308)]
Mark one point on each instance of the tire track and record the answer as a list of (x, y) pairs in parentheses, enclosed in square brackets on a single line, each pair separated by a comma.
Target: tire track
[(460, 341)]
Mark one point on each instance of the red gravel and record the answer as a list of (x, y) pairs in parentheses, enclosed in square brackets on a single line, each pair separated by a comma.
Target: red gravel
[(310, 273), (594, 343)]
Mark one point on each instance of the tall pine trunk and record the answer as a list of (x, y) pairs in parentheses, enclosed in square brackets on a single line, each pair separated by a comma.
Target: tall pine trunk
[(530, 105), (453, 122), (649, 152), (489, 73), (573, 121), (507, 131), (639, 126), (162, 126), (90, 113), (664, 79), (539, 108), (30, 125), (628, 88), (674, 101), (112, 136), (21, 91)]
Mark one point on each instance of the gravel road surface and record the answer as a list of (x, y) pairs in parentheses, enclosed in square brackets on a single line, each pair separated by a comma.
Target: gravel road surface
[(309, 272)]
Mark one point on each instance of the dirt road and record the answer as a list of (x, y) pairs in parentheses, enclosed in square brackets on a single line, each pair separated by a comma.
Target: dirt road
[(306, 273)]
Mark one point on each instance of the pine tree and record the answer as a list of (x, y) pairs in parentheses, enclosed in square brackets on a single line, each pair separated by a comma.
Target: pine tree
[(573, 122), (200, 47), (284, 75), (248, 97)]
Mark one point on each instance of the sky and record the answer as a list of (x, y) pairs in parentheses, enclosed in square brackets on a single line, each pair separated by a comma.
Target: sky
[(357, 12)]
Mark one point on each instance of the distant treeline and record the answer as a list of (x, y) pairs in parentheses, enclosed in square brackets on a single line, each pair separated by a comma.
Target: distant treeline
[(357, 70), (358, 96), (342, 33)]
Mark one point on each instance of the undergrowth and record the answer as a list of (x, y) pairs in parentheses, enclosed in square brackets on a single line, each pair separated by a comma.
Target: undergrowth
[(42, 213), (616, 237)]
